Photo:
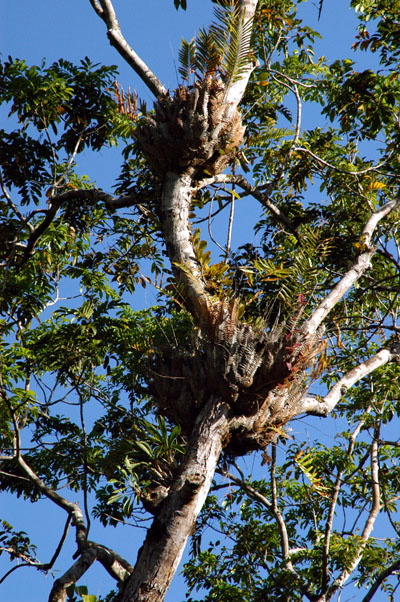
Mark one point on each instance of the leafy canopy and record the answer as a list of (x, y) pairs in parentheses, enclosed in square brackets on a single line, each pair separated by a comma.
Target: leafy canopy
[(75, 380)]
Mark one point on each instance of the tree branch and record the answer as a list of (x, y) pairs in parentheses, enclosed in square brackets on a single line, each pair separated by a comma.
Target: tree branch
[(340, 169), (395, 566), (92, 194), (323, 406), (284, 538), (59, 590), (332, 507), (263, 197), (369, 524), (360, 265), (281, 169), (90, 551), (278, 516), (251, 492), (105, 10), (43, 566)]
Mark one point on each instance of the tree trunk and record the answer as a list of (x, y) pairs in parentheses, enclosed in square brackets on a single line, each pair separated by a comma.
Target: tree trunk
[(165, 542)]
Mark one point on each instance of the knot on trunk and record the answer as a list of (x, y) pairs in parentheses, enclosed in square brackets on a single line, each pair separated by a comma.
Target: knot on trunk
[(189, 131)]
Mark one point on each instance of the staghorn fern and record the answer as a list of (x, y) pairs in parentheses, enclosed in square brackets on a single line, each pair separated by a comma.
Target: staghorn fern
[(223, 50)]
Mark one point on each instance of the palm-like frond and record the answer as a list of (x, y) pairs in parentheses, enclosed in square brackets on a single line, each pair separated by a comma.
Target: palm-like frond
[(300, 277), (187, 58), (235, 34), (208, 54), (223, 49)]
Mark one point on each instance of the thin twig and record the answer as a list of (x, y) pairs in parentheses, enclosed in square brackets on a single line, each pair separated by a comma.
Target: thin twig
[(230, 224), (332, 508), (44, 566), (209, 229), (339, 169), (253, 191)]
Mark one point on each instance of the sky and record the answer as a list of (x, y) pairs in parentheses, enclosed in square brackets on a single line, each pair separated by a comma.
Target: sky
[(54, 29)]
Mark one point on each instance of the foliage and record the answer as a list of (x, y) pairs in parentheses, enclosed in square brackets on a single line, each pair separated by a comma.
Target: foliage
[(221, 51), (78, 363)]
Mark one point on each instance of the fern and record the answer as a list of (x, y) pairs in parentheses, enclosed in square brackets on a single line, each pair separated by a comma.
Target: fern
[(208, 54), (301, 275), (238, 43), (187, 59), (306, 463), (223, 49)]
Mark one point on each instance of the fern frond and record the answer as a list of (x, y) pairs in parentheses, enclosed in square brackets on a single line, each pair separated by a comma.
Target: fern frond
[(208, 58), (239, 50), (223, 49), (301, 275), (306, 464), (187, 58)]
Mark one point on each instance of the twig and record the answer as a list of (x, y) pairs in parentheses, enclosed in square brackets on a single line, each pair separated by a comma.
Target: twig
[(339, 169), (44, 566), (209, 229), (253, 191), (253, 493), (336, 490), (281, 169), (230, 224)]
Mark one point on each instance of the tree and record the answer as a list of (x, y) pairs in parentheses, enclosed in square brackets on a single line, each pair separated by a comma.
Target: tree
[(305, 323)]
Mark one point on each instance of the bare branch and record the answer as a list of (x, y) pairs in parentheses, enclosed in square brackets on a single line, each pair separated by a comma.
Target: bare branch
[(116, 566), (230, 224), (278, 516), (59, 590), (286, 551), (251, 492), (281, 169), (210, 231), (105, 10), (360, 265), (322, 406)]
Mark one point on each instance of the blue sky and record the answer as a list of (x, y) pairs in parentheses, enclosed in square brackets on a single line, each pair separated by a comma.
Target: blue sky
[(54, 29)]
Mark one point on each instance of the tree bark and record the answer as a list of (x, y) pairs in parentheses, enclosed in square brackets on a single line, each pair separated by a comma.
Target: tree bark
[(166, 539), (176, 199)]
